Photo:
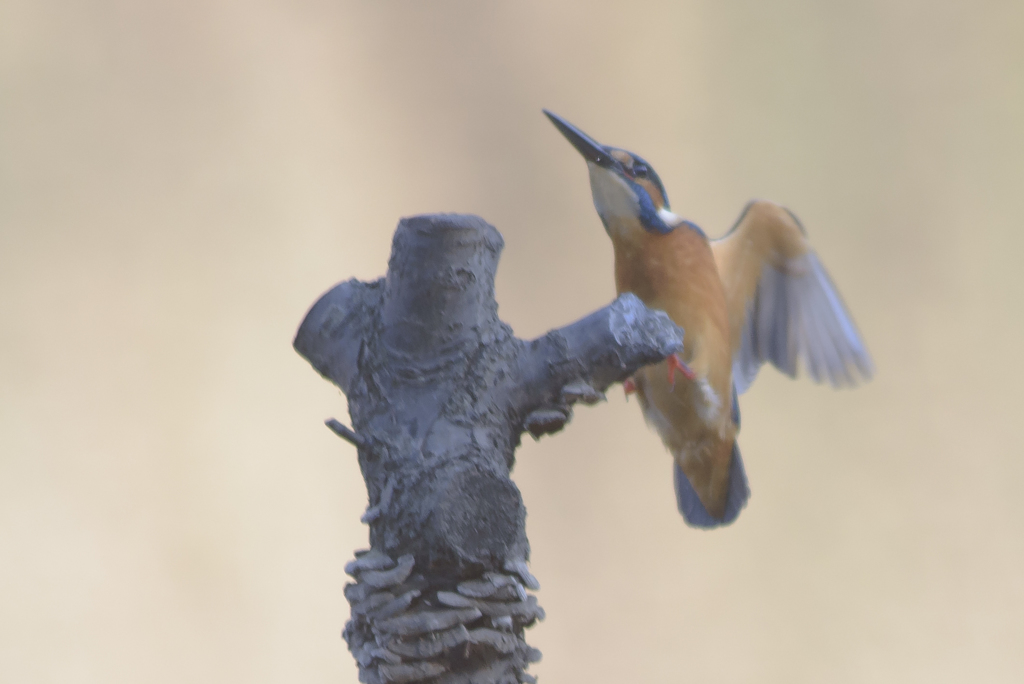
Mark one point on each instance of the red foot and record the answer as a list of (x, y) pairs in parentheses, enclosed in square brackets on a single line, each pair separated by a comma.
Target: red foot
[(675, 363), (628, 386)]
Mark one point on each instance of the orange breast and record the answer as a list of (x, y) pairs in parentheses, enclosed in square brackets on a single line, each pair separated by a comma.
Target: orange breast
[(676, 273)]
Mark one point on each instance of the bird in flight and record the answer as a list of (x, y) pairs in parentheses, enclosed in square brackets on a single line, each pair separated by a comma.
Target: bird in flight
[(758, 294)]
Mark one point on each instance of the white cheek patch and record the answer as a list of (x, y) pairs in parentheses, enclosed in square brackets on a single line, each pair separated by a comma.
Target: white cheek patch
[(669, 218)]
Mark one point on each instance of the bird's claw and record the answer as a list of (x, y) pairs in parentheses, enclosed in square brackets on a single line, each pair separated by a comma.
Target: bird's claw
[(676, 363)]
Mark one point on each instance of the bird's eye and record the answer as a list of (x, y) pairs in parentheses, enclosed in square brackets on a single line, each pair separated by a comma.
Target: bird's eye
[(639, 171)]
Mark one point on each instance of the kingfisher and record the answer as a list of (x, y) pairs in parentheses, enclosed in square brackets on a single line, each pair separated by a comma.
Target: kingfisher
[(759, 294)]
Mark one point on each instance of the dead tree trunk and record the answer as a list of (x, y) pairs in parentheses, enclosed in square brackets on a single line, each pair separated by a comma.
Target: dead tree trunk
[(440, 392)]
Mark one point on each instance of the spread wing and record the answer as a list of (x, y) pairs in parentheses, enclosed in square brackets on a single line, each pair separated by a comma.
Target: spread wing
[(782, 303)]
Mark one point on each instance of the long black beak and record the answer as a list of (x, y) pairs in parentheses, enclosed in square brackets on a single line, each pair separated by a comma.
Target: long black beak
[(584, 144)]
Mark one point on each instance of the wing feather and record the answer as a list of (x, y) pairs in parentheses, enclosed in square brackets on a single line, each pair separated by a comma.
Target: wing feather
[(783, 307)]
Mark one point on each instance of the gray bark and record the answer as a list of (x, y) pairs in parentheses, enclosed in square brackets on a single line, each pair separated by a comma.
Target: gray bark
[(440, 392)]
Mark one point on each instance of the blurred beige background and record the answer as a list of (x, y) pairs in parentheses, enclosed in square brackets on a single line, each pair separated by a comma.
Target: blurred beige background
[(180, 180)]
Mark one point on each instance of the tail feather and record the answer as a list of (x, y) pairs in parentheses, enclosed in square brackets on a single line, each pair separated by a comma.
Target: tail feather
[(690, 505)]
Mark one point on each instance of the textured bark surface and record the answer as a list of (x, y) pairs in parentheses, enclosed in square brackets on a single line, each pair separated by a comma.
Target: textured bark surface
[(440, 392)]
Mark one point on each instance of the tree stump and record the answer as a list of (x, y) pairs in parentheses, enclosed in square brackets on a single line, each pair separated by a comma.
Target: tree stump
[(440, 392)]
